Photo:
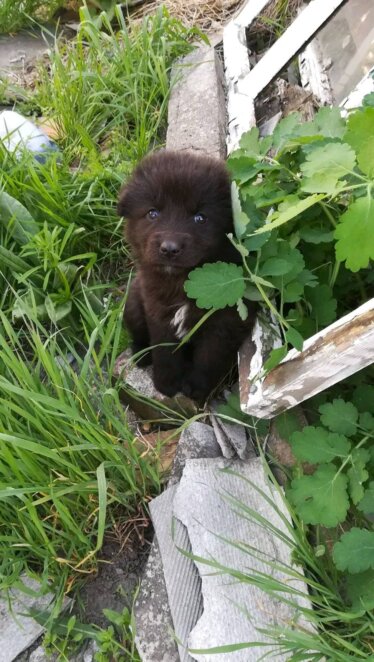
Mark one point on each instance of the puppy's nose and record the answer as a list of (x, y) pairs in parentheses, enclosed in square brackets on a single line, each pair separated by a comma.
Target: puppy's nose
[(170, 249)]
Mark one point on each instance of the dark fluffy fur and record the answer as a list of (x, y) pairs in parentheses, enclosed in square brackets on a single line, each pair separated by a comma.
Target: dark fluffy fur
[(179, 185)]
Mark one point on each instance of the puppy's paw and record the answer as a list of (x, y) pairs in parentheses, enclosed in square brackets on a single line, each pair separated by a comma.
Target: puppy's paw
[(196, 387), (144, 359), (167, 385)]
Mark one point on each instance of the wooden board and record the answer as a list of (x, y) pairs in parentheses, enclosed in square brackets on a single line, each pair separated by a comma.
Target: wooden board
[(240, 100), (290, 43), (243, 83), (331, 355)]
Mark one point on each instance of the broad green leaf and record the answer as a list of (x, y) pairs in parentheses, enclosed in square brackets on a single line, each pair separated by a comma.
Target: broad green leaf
[(275, 266), (242, 309), (295, 261), (16, 219), (294, 338), (363, 398), (216, 285), (368, 100), (241, 220), (255, 242), (317, 445), (307, 278), (323, 304), (277, 219), (366, 421), (252, 293), (284, 131), (250, 141), (325, 165), (339, 416), (358, 474), (329, 122), (360, 589), (287, 423), (292, 292), (316, 234), (355, 234), (243, 168), (366, 505), (354, 552), (256, 219), (321, 498), (360, 135), (275, 357)]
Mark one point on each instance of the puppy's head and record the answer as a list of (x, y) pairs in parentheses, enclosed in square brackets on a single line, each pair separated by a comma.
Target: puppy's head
[(178, 210)]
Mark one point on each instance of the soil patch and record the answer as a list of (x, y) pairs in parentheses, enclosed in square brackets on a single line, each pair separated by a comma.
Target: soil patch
[(119, 572)]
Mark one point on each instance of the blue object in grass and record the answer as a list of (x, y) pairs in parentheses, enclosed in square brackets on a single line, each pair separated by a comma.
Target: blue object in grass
[(17, 134)]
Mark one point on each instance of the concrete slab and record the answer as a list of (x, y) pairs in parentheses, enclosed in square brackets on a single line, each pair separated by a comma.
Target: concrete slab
[(197, 113), (234, 612), (182, 580), (17, 630), (154, 625)]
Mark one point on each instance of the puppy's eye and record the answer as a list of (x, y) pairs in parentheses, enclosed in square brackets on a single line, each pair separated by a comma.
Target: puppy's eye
[(199, 218), (153, 214)]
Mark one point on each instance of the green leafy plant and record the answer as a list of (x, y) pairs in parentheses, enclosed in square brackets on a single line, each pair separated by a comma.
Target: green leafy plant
[(340, 489), (304, 221), (48, 280)]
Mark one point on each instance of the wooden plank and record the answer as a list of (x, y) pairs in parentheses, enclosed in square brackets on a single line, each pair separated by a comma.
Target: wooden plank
[(331, 355), (240, 101), (290, 43)]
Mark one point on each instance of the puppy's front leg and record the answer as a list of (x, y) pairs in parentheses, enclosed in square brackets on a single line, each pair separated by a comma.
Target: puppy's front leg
[(168, 364), (214, 353)]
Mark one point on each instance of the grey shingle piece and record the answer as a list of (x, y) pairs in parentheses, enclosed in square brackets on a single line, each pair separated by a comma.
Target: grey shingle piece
[(232, 438), (18, 632), (197, 440), (199, 503), (182, 580), (154, 626)]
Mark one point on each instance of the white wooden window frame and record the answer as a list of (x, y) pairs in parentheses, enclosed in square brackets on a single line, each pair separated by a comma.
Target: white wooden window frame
[(346, 346)]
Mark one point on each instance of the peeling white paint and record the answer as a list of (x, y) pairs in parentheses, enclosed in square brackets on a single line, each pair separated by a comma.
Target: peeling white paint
[(340, 350)]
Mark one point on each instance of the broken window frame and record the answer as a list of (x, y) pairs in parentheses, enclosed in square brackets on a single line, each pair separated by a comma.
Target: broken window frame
[(347, 345)]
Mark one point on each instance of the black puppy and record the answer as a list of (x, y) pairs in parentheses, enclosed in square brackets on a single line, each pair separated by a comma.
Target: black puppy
[(178, 211)]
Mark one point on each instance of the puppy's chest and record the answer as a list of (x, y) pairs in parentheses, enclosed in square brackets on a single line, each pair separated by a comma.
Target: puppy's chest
[(180, 323)]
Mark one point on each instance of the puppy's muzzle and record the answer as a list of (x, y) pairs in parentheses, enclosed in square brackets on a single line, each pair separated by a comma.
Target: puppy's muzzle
[(169, 246), (170, 249)]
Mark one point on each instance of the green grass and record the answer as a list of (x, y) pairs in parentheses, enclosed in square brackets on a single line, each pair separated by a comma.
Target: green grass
[(108, 90), (68, 460), (69, 465), (17, 14)]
